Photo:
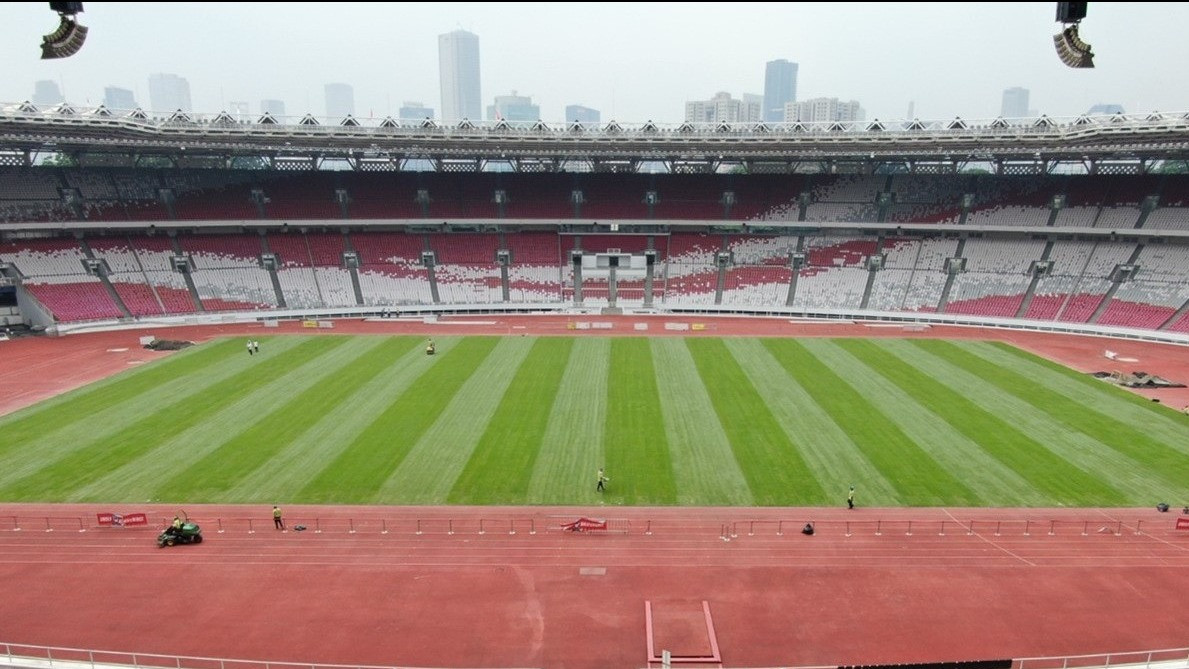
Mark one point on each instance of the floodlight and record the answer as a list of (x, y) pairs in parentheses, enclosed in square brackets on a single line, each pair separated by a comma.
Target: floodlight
[(69, 37), (1070, 48)]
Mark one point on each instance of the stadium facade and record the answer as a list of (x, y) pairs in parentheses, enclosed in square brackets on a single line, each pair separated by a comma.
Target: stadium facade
[(959, 221)]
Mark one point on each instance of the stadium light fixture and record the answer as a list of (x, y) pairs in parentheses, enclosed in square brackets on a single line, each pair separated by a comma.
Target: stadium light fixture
[(69, 37), (1070, 48)]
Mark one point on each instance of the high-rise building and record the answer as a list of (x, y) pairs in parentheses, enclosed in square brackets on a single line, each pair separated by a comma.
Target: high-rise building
[(513, 108), (780, 88), (340, 101), (415, 111), (115, 97), (754, 103), (1015, 103), (168, 93), (238, 110), (46, 93), (820, 110), (582, 114), (274, 107), (722, 107), (458, 69)]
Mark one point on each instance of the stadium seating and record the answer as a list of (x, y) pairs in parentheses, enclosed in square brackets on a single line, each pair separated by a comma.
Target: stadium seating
[(228, 273)]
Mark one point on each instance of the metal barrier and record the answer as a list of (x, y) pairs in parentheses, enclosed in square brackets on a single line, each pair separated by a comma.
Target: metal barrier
[(72, 658), (514, 525)]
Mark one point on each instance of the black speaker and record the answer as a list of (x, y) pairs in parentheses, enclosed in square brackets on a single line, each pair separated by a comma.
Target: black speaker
[(1071, 12), (1162, 507)]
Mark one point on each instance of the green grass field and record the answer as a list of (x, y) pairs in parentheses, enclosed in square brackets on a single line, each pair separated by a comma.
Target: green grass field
[(524, 420)]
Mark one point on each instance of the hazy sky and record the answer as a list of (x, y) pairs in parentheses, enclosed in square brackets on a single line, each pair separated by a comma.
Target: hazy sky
[(632, 61)]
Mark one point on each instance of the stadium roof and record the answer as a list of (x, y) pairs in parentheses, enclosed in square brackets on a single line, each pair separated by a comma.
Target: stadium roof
[(540, 146)]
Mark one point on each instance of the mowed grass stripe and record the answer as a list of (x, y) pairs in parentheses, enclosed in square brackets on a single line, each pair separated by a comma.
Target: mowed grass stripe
[(775, 471), (311, 394), (87, 405), (993, 483), (169, 471), (359, 471), (1157, 421), (93, 398), (572, 449), (834, 459), (1071, 468), (704, 465), (501, 466), (435, 462), (173, 395), (635, 443), (1153, 456), (92, 461), (918, 479), (1153, 409), (320, 445)]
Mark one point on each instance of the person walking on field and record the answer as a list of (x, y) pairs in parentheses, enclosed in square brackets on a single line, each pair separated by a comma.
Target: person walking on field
[(276, 518), (850, 498), (602, 484), (250, 351)]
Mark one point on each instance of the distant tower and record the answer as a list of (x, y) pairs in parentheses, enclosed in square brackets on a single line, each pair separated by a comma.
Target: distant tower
[(115, 97), (582, 114), (1015, 103), (458, 63), (238, 109), (46, 93), (340, 101), (780, 88), (414, 111), (274, 107), (169, 93), (513, 108)]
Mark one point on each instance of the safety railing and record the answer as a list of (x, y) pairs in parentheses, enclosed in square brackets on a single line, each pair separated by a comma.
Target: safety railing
[(27, 655), (532, 524)]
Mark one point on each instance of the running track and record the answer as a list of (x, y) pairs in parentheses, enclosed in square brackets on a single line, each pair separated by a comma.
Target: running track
[(1015, 583)]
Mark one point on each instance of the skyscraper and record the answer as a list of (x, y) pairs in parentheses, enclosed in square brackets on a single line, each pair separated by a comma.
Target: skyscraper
[(1015, 103), (168, 93), (458, 66), (46, 93), (582, 114), (780, 88), (238, 110), (513, 108), (115, 97), (340, 101), (823, 110), (414, 111), (274, 107), (723, 107)]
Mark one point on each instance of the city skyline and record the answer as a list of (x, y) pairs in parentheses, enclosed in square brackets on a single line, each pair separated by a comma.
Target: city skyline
[(460, 76), (621, 59)]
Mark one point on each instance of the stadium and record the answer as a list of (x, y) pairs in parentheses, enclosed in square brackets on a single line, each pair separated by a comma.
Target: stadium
[(740, 323)]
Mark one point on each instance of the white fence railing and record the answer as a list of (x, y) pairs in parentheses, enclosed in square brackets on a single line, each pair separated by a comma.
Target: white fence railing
[(47, 657)]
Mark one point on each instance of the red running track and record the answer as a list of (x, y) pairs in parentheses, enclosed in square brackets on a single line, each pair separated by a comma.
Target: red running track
[(960, 584), (557, 600)]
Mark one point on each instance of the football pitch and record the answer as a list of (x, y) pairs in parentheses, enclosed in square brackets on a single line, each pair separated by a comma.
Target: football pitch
[(530, 420)]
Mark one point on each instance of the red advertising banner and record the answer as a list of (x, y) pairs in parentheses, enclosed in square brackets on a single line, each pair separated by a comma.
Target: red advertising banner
[(122, 520), (1183, 523), (585, 525)]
